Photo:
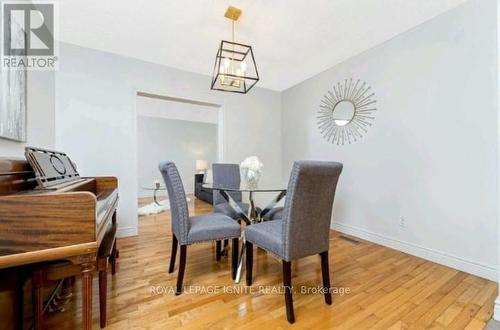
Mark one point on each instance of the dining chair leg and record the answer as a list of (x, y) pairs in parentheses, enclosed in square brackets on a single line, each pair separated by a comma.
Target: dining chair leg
[(234, 257), (326, 277), (223, 252), (217, 250), (182, 267), (173, 255), (249, 262), (287, 283)]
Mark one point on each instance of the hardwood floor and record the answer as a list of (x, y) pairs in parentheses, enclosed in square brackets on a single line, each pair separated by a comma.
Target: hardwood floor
[(387, 289)]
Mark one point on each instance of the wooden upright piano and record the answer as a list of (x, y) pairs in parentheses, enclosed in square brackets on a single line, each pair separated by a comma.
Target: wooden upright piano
[(48, 212)]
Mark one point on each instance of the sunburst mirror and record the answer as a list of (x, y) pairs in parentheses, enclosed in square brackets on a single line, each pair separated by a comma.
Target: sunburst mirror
[(346, 112)]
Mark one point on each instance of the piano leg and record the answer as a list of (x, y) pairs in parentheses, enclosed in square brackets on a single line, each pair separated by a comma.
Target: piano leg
[(37, 282), (19, 300), (103, 287), (86, 270)]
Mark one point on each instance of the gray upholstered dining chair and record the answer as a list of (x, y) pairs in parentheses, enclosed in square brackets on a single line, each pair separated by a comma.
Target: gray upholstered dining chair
[(228, 176), (276, 213), (305, 226), (188, 230)]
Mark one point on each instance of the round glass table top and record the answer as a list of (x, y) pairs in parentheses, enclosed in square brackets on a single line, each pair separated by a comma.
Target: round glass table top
[(244, 188)]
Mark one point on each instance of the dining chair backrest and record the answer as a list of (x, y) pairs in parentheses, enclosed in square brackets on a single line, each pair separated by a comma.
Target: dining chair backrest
[(177, 198), (228, 176), (308, 208)]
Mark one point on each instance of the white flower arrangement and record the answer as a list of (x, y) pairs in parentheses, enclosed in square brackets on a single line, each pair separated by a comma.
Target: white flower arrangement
[(252, 169), (252, 163)]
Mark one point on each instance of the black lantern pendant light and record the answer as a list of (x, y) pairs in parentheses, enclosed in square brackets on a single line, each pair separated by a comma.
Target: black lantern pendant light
[(235, 69)]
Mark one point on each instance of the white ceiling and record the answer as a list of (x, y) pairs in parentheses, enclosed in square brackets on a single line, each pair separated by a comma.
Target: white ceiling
[(292, 39)]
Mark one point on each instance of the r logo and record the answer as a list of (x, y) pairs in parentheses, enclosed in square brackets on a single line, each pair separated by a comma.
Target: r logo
[(28, 29)]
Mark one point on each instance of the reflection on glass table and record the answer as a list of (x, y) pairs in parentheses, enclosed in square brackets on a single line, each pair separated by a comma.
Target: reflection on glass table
[(254, 214)]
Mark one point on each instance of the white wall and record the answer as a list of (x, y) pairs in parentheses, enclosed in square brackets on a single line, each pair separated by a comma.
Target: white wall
[(496, 312), (96, 117), (180, 141), (174, 130), (431, 155), (40, 116), (181, 110)]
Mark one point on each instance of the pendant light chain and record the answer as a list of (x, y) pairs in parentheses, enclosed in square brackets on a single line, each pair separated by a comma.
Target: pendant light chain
[(232, 39)]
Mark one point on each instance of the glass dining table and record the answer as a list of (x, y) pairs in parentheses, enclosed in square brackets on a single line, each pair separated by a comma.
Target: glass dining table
[(254, 214)]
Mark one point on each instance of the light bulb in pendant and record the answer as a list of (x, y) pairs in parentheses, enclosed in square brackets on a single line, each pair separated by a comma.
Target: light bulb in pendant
[(226, 63), (243, 66)]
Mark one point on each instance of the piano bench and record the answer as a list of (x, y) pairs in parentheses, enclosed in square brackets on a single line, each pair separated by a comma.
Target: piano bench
[(56, 271)]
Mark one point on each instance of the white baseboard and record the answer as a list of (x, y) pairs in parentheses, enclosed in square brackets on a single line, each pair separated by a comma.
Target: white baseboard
[(127, 231), (496, 310), (439, 257)]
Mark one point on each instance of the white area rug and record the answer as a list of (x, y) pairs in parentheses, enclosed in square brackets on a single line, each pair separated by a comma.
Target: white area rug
[(154, 208)]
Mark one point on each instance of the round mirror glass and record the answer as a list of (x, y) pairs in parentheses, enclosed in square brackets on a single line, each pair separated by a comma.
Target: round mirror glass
[(343, 113)]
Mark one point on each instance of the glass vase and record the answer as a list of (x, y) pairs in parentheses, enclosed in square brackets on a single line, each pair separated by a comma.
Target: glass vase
[(252, 178)]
